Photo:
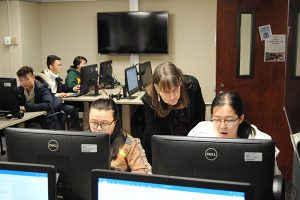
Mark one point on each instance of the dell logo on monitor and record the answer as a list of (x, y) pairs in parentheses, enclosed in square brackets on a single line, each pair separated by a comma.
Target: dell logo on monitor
[(211, 154), (53, 145)]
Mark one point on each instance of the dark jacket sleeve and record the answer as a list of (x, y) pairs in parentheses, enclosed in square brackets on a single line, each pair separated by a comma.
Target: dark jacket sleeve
[(62, 87), (152, 125), (42, 100), (197, 102)]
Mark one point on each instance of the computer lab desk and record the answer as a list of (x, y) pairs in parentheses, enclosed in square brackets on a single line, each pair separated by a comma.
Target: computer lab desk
[(14, 121), (104, 93)]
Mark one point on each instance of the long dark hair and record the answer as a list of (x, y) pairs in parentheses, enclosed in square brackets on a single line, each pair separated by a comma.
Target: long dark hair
[(234, 100), (166, 75), (118, 137)]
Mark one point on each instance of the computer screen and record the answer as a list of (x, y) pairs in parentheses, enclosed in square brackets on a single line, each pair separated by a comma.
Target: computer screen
[(241, 160), (27, 181), (74, 155), (9, 103), (149, 187), (145, 73), (88, 77), (131, 80), (105, 75)]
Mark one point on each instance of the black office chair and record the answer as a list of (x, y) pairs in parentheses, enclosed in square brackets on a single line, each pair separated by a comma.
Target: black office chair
[(2, 151), (54, 121), (68, 116), (279, 187)]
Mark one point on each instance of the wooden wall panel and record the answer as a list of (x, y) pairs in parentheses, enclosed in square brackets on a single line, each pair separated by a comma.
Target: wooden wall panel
[(263, 95)]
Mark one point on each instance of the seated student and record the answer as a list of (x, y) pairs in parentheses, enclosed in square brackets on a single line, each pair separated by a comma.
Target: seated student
[(227, 121), (34, 96), (54, 82), (126, 152), (173, 104), (73, 77)]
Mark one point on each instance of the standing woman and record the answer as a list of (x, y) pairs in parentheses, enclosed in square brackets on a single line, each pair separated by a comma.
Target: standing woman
[(126, 152), (73, 77), (173, 104)]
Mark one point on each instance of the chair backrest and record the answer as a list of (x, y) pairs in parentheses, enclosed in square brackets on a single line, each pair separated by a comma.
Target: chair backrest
[(55, 121)]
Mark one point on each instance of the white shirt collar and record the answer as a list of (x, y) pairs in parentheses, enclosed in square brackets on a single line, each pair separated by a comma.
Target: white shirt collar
[(50, 74)]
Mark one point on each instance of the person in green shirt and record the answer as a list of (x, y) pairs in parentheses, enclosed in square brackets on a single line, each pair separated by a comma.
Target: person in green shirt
[(73, 77)]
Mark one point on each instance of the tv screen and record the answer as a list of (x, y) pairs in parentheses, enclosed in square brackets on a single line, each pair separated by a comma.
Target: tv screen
[(74, 155), (133, 32), (106, 183), (241, 160)]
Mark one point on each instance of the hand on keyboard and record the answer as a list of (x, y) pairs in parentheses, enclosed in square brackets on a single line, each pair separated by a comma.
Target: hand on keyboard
[(77, 94)]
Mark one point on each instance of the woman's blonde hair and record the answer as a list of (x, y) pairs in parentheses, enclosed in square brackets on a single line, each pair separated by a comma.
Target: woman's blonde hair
[(166, 76)]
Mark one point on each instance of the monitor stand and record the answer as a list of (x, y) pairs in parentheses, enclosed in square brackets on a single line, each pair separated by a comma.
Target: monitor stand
[(96, 91)]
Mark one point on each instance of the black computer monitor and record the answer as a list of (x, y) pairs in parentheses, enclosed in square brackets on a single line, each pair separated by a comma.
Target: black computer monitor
[(89, 77), (241, 160), (9, 100), (131, 80), (145, 74), (105, 75), (27, 181), (74, 155), (121, 185)]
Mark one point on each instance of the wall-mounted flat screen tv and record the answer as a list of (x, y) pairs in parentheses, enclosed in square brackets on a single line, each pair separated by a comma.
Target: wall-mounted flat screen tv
[(132, 32)]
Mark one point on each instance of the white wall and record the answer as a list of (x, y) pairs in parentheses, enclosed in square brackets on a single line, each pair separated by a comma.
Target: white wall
[(4, 51), (10, 56), (31, 34), (69, 29)]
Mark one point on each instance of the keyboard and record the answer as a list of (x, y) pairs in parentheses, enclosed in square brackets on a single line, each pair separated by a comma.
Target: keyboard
[(130, 97), (77, 94)]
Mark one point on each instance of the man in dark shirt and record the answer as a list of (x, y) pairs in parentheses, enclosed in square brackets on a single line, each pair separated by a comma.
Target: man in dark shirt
[(34, 96)]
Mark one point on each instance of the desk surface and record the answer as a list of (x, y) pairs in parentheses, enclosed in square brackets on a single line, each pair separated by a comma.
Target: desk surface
[(105, 94), (27, 116), (125, 103)]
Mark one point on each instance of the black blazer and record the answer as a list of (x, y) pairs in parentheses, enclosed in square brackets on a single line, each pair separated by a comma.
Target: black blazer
[(178, 122)]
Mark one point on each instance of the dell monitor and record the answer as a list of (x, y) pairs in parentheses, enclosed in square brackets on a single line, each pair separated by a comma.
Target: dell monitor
[(131, 80), (145, 74), (241, 160), (105, 75), (9, 100), (27, 181), (74, 155), (89, 77), (115, 185)]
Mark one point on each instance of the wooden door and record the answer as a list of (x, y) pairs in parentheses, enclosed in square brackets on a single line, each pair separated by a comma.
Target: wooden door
[(263, 94)]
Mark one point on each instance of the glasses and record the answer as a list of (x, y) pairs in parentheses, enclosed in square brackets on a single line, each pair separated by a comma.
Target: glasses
[(103, 125), (228, 122)]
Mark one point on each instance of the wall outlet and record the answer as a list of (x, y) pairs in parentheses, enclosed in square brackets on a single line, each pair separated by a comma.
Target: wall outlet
[(7, 40), (14, 41)]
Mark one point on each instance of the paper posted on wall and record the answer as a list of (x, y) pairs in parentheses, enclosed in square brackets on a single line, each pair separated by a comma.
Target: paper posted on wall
[(265, 32), (275, 48)]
